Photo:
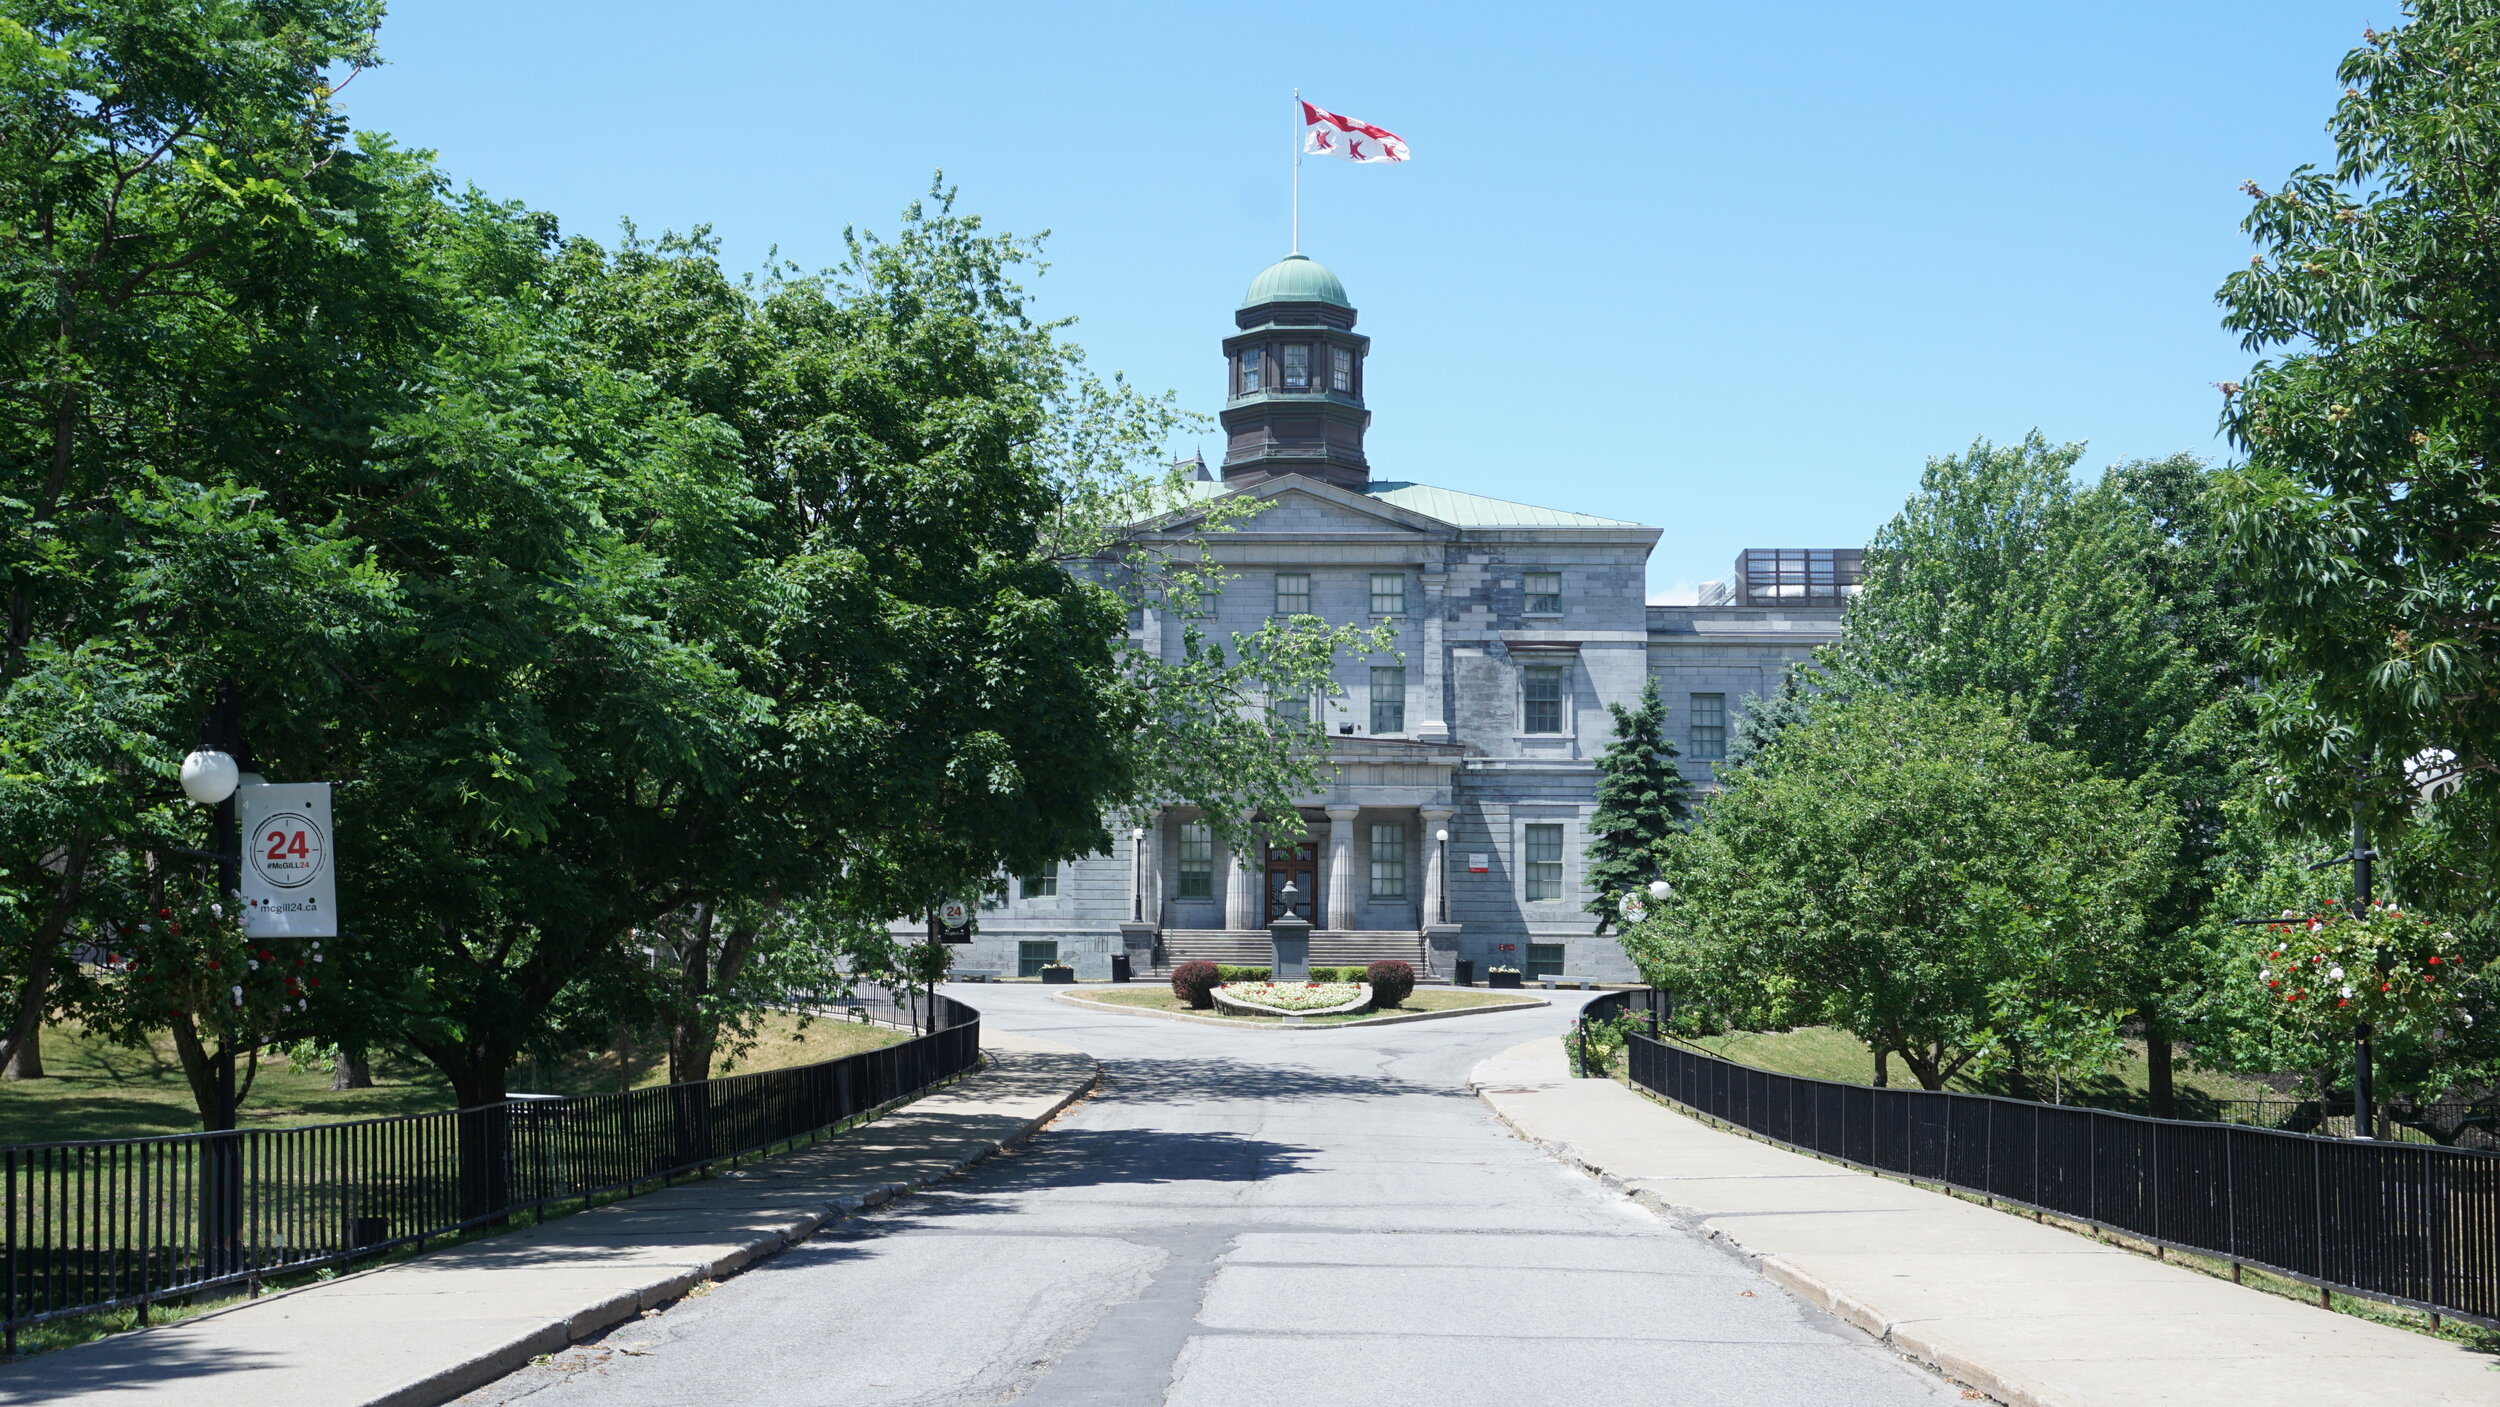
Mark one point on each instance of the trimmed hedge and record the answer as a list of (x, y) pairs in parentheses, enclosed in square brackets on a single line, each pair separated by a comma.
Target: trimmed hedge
[(1392, 982), (1195, 983)]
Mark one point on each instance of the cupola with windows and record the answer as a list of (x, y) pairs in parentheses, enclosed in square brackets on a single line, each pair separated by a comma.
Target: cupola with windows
[(1294, 402)]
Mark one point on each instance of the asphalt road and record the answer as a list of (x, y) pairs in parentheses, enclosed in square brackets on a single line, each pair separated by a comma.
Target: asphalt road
[(1315, 1218)]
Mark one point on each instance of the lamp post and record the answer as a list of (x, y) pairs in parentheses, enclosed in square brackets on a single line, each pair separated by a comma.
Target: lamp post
[(2363, 885), (209, 776), (1441, 840)]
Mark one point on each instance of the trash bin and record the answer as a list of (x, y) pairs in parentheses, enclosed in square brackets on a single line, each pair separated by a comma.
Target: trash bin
[(1120, 971), (1466, 972)]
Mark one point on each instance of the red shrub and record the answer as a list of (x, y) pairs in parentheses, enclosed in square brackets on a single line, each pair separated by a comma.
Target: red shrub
[(1392, 982), (1195, 983)]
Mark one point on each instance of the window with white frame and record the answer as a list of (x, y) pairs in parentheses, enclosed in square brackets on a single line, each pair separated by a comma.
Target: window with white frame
[(1544, 870), (1388, 699), (1388, 860), (1340, 369), (1541, 698), (1706, 727), (1293, 593), (1297, 366), (1250, 370), (1044, 884), (1544, 593), (1197, 877), (1388, 593)]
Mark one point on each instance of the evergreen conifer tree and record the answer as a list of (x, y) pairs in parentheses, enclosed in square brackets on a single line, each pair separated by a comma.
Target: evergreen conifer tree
[(1641, 799)]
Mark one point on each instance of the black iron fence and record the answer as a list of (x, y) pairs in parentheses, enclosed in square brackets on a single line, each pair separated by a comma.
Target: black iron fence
[(2409, 1223), (113, 1223)]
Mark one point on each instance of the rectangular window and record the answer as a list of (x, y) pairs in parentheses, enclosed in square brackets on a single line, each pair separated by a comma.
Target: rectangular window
[(1388, 699), (1544, 593), (1291, 710), (1545, 863), (1041, 886), (1544, 960), (1541, 691), (1034, 954), (1297, 366), (1249, 370), (1388, 860), (1197, 861), (1388, 593), (1293, 593), (1341, 370), (1707, 727)]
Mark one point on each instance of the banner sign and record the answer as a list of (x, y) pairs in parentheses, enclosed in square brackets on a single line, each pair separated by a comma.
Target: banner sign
[(290, 880)]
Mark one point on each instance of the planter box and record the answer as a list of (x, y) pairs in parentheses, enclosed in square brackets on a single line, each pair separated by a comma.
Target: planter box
[(1501, 979), (1058, 976), (1229, 1002)]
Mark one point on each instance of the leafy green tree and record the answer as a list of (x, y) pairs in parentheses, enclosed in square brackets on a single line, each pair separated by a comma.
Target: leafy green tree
[(1642, 799), (1914, 870), (2099, 617), (2365, 521), (201, 313)]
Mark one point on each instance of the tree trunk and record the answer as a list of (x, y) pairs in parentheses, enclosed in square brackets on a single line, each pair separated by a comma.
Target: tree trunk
[(2161, 1088), (351, 1070), (199, 1071), (21, 1051), (26, 1055), (1883, 1068)]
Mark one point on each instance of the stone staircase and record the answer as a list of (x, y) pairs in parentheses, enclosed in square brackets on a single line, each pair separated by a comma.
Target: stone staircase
[(1329, 948)]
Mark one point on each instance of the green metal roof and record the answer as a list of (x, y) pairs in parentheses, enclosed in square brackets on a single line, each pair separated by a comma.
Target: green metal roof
[(1468, 510), (1296, 278)]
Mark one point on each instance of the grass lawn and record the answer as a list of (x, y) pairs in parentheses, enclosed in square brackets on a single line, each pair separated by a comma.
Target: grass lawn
[(1829, 1053), (100, 1090), (1423, 999)]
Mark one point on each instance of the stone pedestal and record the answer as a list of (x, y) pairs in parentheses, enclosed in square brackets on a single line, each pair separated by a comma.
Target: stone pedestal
[(1137, 944), (1289, 938)]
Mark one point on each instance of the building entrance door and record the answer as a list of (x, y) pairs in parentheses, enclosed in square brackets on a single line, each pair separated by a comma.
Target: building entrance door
[(1299, 866)]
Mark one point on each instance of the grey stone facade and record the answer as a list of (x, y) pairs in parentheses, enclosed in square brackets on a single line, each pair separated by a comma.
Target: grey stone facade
[(1516, 626)]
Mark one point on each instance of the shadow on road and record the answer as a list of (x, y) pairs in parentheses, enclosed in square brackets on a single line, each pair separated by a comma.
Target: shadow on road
[(1165, 1080)]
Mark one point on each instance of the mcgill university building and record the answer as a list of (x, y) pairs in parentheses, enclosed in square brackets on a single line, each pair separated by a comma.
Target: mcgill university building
[(1456, 820)]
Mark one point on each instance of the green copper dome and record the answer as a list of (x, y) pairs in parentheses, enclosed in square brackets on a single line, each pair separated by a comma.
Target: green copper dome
[(1296, 278)]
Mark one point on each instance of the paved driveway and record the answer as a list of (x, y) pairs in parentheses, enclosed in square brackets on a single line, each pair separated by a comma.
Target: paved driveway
[(1315, 1218)]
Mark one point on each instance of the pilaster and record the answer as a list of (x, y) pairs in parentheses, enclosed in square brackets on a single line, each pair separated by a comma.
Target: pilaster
[(1432, 721)]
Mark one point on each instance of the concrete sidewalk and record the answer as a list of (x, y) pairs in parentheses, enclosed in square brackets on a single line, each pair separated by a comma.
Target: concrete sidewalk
[(426, 1330), (2031, 1315)]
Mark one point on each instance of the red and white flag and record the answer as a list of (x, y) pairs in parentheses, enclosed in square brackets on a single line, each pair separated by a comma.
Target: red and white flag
[(1325, 133)]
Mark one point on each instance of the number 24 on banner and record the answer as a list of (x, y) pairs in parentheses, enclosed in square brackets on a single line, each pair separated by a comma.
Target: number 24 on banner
[(290, 887)]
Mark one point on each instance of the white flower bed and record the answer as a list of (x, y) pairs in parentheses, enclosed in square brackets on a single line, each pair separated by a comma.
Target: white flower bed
[(1294, 998)]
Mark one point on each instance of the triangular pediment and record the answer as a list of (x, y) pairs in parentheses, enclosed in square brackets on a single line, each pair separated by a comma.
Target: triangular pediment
[(1294, 504)]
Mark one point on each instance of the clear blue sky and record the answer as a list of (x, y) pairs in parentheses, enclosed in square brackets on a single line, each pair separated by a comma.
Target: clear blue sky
[(1735, 272)]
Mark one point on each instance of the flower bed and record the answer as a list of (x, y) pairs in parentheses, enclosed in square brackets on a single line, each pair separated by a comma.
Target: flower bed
[(1293, 998)]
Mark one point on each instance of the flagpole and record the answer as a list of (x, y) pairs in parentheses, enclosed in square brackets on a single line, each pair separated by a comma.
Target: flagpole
[(1297, 170)]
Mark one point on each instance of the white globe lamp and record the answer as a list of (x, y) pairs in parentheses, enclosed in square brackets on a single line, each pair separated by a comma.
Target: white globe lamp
[(209, 776), (1660, 890)]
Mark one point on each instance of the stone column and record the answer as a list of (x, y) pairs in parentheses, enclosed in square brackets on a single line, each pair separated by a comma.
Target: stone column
[(1342, 901), (1431, 723), (1242, 879)]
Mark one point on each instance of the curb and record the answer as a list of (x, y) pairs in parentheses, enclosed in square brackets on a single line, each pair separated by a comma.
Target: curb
[(1900, 1338), (1399, 1020)]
